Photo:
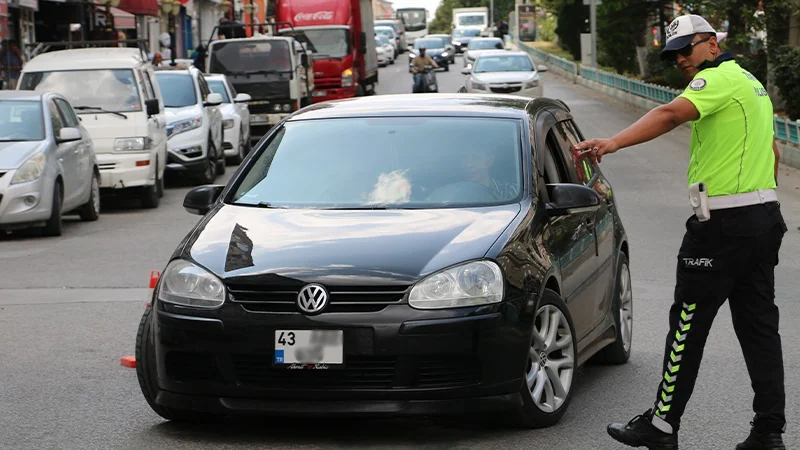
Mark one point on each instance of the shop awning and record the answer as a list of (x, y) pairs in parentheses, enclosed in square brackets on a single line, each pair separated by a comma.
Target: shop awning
[(122, 20), (140, 7)]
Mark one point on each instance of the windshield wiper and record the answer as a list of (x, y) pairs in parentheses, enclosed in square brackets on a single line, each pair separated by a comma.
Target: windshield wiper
[(269, 205), (97, 108)]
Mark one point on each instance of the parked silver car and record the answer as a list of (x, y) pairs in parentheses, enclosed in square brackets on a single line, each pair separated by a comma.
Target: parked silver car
[(47, 163)]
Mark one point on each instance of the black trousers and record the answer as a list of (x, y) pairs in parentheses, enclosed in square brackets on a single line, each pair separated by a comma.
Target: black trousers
[(731, 257)]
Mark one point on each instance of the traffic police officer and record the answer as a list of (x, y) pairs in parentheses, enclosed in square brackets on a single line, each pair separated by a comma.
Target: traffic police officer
[(730, 248)]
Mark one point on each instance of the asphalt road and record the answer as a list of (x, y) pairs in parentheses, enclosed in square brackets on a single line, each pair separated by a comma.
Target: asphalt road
[(69, 308)]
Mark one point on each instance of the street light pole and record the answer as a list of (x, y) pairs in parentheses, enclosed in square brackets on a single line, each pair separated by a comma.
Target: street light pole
[(593, 26)]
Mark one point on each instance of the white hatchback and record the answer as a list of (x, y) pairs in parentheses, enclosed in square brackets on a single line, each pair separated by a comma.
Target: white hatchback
[(235, 118), (504, 73)]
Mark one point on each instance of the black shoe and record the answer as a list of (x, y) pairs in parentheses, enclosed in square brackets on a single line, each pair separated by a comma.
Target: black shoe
[(640, 432), (762, 441)]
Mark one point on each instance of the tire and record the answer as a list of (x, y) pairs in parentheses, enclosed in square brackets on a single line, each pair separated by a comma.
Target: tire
[(539, 414), (209, 174), (619, 352), (90, 211), (54, 226), (148, 378), (241, 150), (360, 90), (151, 195), (447, 68)]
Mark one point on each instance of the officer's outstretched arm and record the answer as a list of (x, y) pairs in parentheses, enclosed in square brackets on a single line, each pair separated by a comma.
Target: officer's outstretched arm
[(656, 122)]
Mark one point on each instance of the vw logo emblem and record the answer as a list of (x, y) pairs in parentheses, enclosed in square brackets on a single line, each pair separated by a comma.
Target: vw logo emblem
[(312, 299)]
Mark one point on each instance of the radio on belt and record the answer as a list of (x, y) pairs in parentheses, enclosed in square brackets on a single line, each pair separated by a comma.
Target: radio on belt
[(698, 198)]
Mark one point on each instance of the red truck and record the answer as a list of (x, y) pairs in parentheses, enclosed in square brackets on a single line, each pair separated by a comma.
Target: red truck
[(340, 34)]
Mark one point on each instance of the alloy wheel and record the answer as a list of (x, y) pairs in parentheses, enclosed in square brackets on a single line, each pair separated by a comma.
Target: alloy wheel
[(95, 195), (551, 360)]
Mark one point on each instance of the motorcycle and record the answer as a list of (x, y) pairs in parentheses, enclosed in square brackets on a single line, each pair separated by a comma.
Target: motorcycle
[(428, 82)]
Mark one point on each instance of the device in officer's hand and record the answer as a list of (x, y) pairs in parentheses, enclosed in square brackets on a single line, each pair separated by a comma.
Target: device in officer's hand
[(698, 198)]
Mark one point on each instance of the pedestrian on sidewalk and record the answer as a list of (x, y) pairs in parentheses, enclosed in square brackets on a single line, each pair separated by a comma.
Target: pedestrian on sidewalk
[(731, 245)]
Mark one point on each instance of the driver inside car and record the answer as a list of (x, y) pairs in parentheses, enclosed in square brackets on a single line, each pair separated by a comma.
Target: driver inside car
[(418, 66), (478, 164)]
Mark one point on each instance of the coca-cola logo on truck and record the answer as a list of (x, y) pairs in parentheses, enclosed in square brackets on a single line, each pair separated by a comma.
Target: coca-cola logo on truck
[(319, 15)]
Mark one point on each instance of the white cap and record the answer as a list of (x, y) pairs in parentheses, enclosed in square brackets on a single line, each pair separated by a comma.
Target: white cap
[(681, 31)]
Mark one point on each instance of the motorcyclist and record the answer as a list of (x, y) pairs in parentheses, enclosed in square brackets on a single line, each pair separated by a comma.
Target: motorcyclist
[(418, 65)]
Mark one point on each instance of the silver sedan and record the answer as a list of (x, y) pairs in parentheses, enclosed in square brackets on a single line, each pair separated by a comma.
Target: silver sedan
[(47, 163)]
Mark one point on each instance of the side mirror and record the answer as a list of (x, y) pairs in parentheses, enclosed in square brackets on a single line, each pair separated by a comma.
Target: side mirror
[(467, 70), (542, 68), (213, 99), (304, 60), (68, 135), (201, 199), (242, 98), (152, 107), (566, 199)]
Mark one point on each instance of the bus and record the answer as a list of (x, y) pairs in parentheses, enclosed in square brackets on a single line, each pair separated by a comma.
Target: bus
[(416, 23)]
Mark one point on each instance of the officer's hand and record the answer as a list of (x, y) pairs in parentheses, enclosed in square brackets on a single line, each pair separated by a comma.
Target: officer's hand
[(599, 147)]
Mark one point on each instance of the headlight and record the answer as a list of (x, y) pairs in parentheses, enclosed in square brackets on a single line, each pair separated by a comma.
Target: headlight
[(471, 284), (132, 144), (444, 54), (285, 107), (227, 123), (30, 170), (347, 78), (188, 284), (457, 43), (530, 84), (480, 86), (184, 125)]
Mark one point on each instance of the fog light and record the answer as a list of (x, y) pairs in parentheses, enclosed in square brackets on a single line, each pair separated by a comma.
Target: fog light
[(29, 200)]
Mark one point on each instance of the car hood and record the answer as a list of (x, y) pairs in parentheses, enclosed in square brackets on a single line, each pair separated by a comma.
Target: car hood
[(177, 114), (13, 154), (504, 77), (112, 126), (335, 247)]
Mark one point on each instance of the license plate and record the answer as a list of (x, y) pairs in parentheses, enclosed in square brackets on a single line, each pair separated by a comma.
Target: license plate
[(314, 349), (256, 118), (319, 94)]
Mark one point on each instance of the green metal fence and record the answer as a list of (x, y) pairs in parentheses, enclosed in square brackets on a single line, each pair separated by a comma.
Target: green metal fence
[(785, 130)]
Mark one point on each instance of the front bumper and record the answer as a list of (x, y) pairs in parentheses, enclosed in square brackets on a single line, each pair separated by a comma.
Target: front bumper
[(126, 170), (527, 92), (14, 210), (187, 151), (222, 362), (230, 139)]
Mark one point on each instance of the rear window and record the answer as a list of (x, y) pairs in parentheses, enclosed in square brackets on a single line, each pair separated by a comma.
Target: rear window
[(177, 89), (396, 162)]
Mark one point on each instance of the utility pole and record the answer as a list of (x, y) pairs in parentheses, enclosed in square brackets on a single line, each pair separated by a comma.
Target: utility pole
[(593, 27), (491, 15)]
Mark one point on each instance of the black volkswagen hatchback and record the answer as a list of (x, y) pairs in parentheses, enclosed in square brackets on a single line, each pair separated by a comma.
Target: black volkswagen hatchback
[(396, 254)]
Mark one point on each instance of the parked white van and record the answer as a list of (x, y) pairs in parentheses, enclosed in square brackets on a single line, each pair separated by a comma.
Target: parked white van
[(118, 101)]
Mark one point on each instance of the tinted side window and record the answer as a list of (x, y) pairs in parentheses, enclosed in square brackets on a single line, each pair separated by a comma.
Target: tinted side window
[(554, 169), (583, 166), (67, 114)]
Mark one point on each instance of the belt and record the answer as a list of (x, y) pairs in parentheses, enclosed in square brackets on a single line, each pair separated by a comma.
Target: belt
[(747, 199)]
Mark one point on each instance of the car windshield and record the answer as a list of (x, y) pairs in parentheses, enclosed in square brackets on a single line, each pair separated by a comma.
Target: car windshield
[(465, 20), (466, 32), (325, 43), (218, 86), (251, 56), (177, 89), (485, 44), (396, 162), (510, 63), (429, 43), (101, 89), (388, 32), (21, 120)]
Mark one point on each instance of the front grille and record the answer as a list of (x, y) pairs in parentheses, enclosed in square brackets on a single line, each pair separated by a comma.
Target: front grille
[(227, 146), (327, 83), (267, 107), (107, 166), (283, 299), (505, 89), (359, 373)]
